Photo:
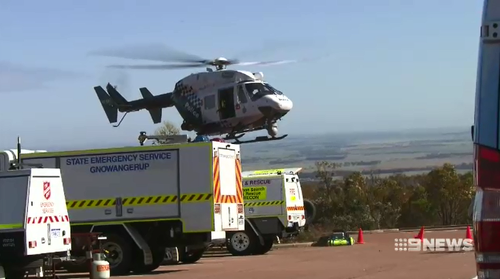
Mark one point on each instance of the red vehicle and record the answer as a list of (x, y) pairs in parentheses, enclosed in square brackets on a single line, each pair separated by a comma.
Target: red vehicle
[(486, 137)]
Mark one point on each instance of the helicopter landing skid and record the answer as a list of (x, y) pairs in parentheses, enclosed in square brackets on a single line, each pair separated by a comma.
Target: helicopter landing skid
[(233, 137), (259, 139)]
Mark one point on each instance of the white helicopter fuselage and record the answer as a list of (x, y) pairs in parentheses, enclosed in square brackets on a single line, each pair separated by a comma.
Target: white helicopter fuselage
[(229, 100)]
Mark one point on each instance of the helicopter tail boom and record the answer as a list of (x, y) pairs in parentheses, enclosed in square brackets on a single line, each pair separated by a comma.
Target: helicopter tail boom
[(108, 104), (113, 102)]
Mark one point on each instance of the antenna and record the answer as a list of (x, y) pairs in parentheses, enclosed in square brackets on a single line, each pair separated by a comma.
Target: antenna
[(18, 165), (19, 153)]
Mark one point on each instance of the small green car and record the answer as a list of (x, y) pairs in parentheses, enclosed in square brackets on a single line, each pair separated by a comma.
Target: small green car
[(340, 239)]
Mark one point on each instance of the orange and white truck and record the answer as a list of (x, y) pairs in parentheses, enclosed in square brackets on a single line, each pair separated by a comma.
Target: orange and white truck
[(274, 207), (149, 199)]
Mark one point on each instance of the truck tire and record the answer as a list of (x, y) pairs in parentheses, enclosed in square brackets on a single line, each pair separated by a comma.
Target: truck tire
[(191, 256), (263, 249), (310, 211), (119, 254), (158, 253), (242, 243)]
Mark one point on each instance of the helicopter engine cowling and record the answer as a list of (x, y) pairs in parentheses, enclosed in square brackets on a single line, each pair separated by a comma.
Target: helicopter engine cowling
[(272, 130)]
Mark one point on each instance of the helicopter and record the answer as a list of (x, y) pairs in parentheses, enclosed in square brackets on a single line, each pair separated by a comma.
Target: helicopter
[(215, 102)]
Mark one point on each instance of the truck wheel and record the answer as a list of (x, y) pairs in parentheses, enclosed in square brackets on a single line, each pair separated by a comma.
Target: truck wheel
[(242, 243), (118, 253), (263, 249), (158, 253), (191, 256)]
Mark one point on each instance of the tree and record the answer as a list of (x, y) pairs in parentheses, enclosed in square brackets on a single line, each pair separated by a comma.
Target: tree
[(324, 195), (440, 197), (167, 128), (449, 193)]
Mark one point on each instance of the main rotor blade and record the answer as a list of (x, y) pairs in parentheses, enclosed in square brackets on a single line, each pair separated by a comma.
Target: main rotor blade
[(153, 52), (156, 67), (266, 63)]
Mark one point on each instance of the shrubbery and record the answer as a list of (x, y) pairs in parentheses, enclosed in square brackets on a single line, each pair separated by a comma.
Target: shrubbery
[(441, 197)]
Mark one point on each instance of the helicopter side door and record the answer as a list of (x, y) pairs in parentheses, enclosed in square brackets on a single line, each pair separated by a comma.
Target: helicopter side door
[(209, 112), (226, 103), (241, 104)]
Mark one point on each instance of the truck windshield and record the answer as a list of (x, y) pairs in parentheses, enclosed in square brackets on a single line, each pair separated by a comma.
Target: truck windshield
[(257, 90)]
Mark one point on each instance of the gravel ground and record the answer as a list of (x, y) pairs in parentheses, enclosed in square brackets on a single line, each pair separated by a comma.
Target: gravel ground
[(374, 259)]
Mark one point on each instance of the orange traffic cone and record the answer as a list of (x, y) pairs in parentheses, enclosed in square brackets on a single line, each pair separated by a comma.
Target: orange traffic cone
[(360, 237), (420, 234), (468, 233)]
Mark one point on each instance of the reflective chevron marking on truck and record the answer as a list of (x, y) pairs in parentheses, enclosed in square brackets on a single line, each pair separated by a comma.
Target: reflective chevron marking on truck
[(47, 219), (139, 201), (238, 198), (239, 182), (265, 203)]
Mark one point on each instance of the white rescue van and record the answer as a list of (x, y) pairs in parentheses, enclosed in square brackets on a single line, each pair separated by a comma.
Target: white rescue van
[(34, 221), (148, 198), (274, 207)]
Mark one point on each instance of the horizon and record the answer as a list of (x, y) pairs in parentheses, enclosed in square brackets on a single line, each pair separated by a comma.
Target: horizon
[(29, 143)]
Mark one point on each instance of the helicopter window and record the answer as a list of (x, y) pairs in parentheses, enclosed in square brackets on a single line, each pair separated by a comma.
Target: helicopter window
[(257, 90), (242, 97), (209, 102), (276, 91)]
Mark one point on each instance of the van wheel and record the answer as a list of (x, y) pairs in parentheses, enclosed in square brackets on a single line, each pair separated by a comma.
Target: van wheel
[(241, 243), (118, 253), (191, 256), (263, 249), (158, 253)]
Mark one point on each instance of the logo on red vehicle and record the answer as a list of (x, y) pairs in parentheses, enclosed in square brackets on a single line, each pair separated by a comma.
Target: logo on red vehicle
[(46, 190)]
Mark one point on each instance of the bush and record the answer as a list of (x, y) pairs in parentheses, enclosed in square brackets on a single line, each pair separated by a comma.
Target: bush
[(441, 197)]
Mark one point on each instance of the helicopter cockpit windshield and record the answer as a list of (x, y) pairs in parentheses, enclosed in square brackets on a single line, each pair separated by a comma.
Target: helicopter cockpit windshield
[(257, 90)]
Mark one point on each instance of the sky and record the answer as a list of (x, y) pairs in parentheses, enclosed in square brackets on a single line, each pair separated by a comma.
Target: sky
[(364, 65)]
